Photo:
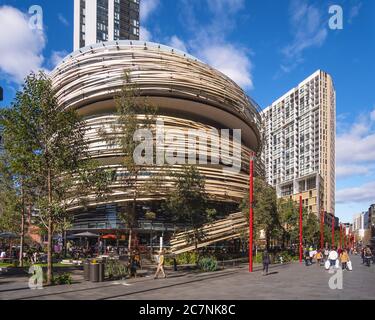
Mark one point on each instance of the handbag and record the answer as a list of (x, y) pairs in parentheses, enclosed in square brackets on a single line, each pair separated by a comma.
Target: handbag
[(349, 266), (327, 265), (337, 264)]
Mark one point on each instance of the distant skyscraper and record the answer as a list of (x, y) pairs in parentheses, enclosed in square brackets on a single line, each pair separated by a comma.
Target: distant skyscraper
[(105, 20), (299, 147)]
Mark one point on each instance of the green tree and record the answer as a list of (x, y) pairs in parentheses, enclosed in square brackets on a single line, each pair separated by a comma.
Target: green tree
[(311, 229), (265, 210), (188, 202), (10, 202), (50, 143), (133, 113)]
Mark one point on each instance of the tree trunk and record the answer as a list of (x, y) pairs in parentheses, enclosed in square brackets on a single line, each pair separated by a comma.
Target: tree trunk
[(49, 229), (130, 240), (22, 227), (49, 253), (132, 219)]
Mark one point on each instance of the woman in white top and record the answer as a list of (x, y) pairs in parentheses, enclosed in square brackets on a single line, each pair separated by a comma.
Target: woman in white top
[(333, 256)]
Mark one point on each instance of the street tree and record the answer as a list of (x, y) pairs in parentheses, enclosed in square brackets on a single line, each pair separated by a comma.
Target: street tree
[(188, 202), (134, 112), (265, 209), (47, 144)]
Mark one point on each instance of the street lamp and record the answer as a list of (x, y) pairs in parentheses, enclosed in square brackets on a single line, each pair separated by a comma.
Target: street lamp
[(251, 213)]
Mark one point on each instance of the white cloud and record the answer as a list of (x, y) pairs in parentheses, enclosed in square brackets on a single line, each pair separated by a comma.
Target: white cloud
[(209, 42), (63, 20), (344, 171), (364, 193), (177, 43), (372, 115), (57, 57), (144, 34), (355, 157), (231, 61), (147, 8), (358, 144), (309, 30), (20, 46), (354, 12), (226, 6)]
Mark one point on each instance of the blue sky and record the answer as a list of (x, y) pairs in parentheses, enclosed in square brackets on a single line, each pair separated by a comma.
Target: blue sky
[(266, 46)]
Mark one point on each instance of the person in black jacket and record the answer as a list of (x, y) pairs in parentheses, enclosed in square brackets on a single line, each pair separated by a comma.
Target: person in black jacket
[(266, 262)]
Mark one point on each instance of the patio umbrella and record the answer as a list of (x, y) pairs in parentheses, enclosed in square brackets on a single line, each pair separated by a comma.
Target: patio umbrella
[(109, 237), (85, 235), (8, 235)]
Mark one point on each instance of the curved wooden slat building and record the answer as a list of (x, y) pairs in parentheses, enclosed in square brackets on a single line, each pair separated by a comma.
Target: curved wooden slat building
[(189, 94)]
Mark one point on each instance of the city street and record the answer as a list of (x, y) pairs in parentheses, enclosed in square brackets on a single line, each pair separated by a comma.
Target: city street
[(290, 281)]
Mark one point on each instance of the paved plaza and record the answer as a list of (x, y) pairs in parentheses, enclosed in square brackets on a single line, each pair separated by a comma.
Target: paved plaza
[(289, 281)]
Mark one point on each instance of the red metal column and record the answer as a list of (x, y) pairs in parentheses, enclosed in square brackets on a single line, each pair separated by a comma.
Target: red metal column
[(251, 213), (333, 232), (300, 229), (322, 230), (340, 244)]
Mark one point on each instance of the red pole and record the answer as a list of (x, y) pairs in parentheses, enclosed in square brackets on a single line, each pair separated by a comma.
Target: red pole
[(251, 204), (333, 231), (340, 236), (300, 229), (322, 230)]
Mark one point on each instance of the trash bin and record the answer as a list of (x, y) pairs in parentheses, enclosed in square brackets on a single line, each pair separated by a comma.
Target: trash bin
[(101, 271), (86, 270), (94, 272)]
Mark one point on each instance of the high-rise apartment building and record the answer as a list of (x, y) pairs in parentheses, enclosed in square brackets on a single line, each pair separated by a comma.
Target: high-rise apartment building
[(299, 148), (105, 20)]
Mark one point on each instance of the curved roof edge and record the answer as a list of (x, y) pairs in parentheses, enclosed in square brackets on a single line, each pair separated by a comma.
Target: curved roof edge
[(130, 43)]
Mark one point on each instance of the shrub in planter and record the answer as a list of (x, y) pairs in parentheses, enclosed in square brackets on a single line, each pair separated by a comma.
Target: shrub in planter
[(208, 264), (64, 278), (115, 270), (187, 258)]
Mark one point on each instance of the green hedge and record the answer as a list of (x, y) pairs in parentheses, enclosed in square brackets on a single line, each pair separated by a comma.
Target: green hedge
[(208, 264)]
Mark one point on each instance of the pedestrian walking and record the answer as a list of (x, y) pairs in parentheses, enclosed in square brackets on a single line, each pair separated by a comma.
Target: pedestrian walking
[(266, 262), (368, 256), (318, 258), (344, 258), (333, 256), (160, 267), (307, 257)]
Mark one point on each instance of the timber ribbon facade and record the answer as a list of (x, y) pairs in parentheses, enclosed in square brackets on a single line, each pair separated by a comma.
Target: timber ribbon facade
[(188, 94)]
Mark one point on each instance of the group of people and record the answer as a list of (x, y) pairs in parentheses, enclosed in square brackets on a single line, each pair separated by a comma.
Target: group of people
[(30, 254), (329, 257)]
